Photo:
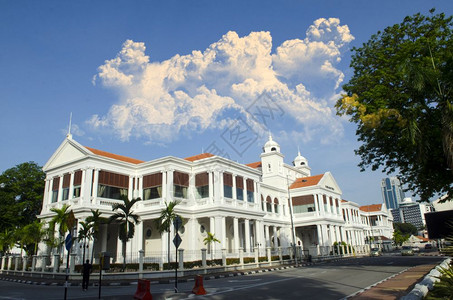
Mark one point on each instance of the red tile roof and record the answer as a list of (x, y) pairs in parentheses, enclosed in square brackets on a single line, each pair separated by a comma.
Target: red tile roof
[(370, 208), (306, 181), (115, 156), (254, 165), (199, 156), (422, 238), (343, 201)]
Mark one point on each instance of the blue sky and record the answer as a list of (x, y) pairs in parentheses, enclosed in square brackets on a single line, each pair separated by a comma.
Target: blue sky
[(148, 79)]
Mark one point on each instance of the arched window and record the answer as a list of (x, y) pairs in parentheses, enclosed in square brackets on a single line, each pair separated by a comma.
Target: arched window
[(273, 149), (276, 205), (268, 204)]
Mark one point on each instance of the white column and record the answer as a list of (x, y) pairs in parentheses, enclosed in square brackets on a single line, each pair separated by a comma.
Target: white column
[(258, 234), (104, 234), (244, 192), (275, 234), (164, 186), (247, 235), (321, 205), (222, 194), (211, 187), (266, 232), (71, 185), (48, 192), (234, 187), (60, 189), (216, 186), (95, 185), (319, 232), (316, 205), (325, 237), (140, 187), (139, 233), (236, 233), (84, 190), (255, 193), (170, 195), (130, 189)]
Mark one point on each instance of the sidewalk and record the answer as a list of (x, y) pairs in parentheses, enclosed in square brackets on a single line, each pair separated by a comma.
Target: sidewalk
[(396, 287)]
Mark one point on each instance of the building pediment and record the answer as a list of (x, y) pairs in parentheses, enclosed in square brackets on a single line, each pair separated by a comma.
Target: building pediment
[(69, 151)]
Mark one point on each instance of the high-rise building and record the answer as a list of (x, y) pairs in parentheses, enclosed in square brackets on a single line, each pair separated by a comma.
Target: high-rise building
[(392, 192)]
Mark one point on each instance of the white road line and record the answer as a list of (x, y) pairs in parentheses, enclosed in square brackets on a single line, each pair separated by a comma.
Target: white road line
[(246, 287)]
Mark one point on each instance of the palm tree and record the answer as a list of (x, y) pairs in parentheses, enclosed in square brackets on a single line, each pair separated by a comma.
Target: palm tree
[(33, 234), (126, 219), (7, 241), (60, 219), (209, 239), (85, 234), (165, 221), (95, 220)]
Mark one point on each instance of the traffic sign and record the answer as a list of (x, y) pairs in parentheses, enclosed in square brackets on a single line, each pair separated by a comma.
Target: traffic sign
[(177, 240), (68, 241)]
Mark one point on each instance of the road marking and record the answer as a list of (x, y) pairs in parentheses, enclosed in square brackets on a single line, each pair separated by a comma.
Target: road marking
[(248, 280), (246, 287)]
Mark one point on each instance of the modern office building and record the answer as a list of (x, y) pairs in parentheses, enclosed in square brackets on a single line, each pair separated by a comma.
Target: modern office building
[(412, 212), (392, 192)]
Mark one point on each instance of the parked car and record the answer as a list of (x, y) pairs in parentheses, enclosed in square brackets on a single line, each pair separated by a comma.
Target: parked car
[(428, 246), (407, 250), (416, 249), (375, 252)]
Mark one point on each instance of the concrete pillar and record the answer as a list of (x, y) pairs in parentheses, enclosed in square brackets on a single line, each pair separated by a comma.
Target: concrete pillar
[(256, 254), (236, 233), (224, 263), (16, 263), (181, 259), (280, 254), (247, 235), (211, 187), (275, 236), (56, 262), (43, 262), (241, 257), (141, 255), (72, 258), (24, 263), (33, 262), (266, 232), (203, 257), (268, 253)]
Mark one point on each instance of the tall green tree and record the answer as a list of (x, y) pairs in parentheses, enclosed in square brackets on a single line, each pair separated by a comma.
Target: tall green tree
[(401, 99), (21, 195), (84, 235), (165, 221), (126, 220), (33, 234), (60, 219), (405, 228), (95, 221), (7, 240), (209, 240)]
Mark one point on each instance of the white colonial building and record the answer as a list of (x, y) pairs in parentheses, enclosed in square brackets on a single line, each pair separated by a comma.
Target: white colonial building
[(245, 206)]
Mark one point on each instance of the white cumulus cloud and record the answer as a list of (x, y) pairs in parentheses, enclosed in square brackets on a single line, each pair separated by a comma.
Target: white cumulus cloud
[(205, 89)]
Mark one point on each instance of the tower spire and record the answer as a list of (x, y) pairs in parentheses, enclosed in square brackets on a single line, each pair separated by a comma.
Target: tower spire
[(69, 135)]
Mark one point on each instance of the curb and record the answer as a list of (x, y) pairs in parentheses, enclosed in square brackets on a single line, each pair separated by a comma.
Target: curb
[(421, 289)]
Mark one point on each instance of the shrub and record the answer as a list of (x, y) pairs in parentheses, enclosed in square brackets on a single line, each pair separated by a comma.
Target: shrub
[(249, 260), (232, 261)]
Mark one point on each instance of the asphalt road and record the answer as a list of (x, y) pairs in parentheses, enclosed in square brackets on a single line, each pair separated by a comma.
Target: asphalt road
[(334, 280)]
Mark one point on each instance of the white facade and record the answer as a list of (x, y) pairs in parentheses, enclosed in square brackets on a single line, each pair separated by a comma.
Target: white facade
[(245, 206)]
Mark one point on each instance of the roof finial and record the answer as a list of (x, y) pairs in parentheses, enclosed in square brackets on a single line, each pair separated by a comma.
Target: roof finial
[(298, 151), (69, 135), (270, 136)]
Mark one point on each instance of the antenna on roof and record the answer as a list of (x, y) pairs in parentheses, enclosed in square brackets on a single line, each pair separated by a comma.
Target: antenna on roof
[(69, 135)]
